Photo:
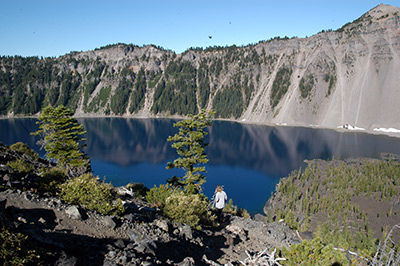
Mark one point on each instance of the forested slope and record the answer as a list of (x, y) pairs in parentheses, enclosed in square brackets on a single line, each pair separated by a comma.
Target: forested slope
[(349, 203)]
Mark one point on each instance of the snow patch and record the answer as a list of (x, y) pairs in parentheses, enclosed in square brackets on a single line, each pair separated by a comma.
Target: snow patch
[(387, 130), (350, 127)]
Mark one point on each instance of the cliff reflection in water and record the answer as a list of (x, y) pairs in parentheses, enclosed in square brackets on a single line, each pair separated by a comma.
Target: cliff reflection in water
[(129, 141), (275, 151)]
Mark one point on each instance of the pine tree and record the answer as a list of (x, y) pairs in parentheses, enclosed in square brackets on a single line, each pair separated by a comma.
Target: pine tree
[(190, 144), (61, 138)]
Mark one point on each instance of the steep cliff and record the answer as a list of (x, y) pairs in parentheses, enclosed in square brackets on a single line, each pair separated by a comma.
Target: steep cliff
[(347, 76)]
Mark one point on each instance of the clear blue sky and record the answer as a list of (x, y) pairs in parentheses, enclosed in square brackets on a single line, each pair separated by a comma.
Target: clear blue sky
[(56, 27)]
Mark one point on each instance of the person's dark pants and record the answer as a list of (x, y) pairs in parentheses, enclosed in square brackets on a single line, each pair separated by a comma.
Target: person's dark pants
[(220, 215)]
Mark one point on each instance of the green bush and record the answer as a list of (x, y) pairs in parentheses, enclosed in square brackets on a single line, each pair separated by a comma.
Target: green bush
[(243, 213), (230, 208), (234, 210), (158, 195), (22, 148), (92, 194), (182, 207), (313, 253), (51, 179), (187, 208), (290, 220), (14, 250), (139, 189), (20, 165)]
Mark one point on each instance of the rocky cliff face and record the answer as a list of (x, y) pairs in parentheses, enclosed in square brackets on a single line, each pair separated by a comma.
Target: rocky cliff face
[(347, 76), (351, 74)]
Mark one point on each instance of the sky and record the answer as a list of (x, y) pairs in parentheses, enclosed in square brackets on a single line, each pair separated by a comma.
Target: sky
[(57, 27)]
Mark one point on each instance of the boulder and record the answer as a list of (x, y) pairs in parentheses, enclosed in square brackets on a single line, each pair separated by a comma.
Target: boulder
[(119, 244), (123, 191), (108, 221), (73, 213), (186, 231), (188, 261), (162, 224), (146, 247)]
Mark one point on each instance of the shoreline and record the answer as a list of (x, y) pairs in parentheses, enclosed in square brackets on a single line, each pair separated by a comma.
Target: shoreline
[(346, 128)]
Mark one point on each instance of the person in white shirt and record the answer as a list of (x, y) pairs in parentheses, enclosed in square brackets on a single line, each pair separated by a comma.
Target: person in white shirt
[(220, 199)]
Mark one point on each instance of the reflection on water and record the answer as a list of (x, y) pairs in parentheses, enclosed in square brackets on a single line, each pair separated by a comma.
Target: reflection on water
[(247, 159), (129, 141), (14, 130)]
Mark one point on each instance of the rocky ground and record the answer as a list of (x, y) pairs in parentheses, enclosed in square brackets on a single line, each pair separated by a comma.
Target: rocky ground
[(141, 236)]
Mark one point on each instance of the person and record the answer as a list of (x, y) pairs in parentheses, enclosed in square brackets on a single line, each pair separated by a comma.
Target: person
[(220, 198)]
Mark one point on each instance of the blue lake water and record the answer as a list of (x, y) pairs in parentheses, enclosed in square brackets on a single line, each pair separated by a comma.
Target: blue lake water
[(247, 159)]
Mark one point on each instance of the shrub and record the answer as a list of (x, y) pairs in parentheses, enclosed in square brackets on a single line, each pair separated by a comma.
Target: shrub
[(22, 148), (243, 213), (92, 194), (14, 250), (139, 189), (187, 208), (20, 165), (181, 207), (313, 253), (290, 220), (158, 195), (50, 180), (234, 210), (230, 208)]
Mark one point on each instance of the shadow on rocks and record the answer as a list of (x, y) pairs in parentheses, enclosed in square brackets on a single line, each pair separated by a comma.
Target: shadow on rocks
[(61, 248), (179, 251), (39, 217)]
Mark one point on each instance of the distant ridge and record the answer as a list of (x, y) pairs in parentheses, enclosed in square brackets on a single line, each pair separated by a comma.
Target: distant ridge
[(331, 79)]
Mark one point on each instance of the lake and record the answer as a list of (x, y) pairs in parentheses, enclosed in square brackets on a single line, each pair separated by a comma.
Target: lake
[(248, 160)]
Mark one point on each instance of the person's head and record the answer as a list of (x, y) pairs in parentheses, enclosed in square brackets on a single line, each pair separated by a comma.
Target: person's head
[(218, 189)]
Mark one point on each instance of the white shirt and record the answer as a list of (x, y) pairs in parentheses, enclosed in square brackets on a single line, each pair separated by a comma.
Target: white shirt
[(220, 199)]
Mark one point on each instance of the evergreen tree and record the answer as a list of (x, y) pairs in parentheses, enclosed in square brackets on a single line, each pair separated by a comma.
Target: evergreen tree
[(190, 144), (61, 138), (138, 95)]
